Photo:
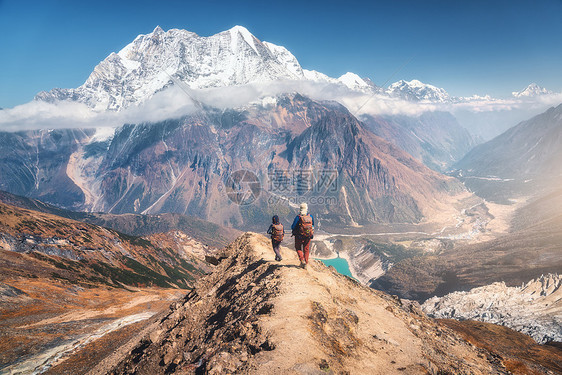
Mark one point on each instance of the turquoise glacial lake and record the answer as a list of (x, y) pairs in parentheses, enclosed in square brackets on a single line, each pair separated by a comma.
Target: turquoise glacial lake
[(340, 264)]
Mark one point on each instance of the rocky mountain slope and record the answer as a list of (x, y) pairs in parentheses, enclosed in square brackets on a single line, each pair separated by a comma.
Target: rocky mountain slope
[(40, 245), (521, 354), (534, 308), (524, 159), (35, 164), (202, 231), (435, 138), (183, 165), (65, 284), (256, 316)]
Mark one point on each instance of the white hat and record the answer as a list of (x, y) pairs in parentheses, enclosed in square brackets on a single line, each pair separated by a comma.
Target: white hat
[(303, 208)]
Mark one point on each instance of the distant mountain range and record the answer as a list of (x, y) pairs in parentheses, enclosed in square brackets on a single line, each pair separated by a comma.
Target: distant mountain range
[(182, 164), (158, 60), (523, 159), (435, 138), (530, 91)]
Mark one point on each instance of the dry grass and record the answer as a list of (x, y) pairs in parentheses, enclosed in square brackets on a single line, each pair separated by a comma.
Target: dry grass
[(519, 353)]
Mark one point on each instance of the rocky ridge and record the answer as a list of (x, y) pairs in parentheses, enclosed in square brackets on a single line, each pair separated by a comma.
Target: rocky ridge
[(255, 316), (200, 231)]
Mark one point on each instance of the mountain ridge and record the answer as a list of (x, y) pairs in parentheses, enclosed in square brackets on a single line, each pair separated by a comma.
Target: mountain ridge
[(262, 310), (521, 161), (153, 62), (134, 224)]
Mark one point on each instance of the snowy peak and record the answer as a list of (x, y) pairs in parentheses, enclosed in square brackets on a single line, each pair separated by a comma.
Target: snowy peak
[(286, 58), (356, 83), (159, 59), (415, 90), (531, 91), (155, 61), (240, 31)]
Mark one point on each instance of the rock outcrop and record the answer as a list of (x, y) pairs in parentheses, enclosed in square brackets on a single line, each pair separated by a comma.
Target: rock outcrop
[(253, 315)]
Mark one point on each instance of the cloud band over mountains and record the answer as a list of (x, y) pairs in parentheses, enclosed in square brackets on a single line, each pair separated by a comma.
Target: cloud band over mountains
[(177, 101)]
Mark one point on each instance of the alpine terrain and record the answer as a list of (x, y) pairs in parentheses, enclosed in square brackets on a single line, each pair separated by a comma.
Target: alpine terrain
[(127, 206), (192, 156), (255, 316)]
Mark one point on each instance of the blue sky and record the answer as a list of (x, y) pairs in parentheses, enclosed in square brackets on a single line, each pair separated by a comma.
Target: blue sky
[(473, 47)]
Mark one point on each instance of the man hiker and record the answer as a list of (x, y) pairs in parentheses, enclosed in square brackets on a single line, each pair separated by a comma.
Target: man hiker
[(277, 233), (303, 230)]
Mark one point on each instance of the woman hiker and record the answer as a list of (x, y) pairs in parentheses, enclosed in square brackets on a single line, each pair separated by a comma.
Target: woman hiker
[(303, 230), (277, 233)]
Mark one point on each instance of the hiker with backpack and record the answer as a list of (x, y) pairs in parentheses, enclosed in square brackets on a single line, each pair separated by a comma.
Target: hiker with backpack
[(277, 233), (303, 230)]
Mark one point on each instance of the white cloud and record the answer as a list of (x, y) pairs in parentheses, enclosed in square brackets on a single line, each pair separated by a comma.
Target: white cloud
[(177, 101), (170, 103)]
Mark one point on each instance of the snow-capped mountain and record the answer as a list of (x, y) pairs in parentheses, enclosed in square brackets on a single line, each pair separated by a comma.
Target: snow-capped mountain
[(154, 61), (531, 91), (534, 308), (415, 90), (157, 60), (356, 83)]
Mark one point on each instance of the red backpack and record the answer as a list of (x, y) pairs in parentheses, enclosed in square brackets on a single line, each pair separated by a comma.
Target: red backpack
[(277, 232), (305, 228)]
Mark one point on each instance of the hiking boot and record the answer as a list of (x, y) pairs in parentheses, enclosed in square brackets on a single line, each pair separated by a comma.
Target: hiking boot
[(302, 264), (305, 265)]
